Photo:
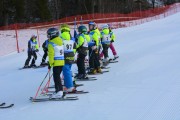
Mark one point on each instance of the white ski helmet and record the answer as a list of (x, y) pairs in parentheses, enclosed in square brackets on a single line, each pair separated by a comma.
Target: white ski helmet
[(105, 26), (33, 36)]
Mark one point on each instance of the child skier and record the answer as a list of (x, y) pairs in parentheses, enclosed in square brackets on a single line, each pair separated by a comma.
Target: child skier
[(82, 48), (32, 49), (45, 49), (93, 49), (69, 53), (106, 39), (56, 59), (111, 44)]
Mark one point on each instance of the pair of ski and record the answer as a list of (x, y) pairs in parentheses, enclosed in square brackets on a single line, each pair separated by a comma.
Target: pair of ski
[(53, 99), (32, 67), (58, 99), (49, 93), (86, 79), (113, 60), (3, 105), (90, 78), (76, 85), (99, 73), (105, 67)]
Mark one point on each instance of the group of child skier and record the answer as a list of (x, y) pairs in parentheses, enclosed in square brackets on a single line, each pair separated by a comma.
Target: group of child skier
[(61, 49)]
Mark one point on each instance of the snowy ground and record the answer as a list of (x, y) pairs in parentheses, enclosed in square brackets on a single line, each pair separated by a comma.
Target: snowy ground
[(144, 85)]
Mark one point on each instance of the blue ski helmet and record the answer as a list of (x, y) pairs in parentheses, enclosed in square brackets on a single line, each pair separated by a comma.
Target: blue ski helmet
[(91, 23)]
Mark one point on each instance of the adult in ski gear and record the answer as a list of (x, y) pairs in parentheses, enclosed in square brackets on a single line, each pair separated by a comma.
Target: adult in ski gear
[(45, 49), (56, 59), (93, 46), (32, 49), (69, 53), (82, 49)]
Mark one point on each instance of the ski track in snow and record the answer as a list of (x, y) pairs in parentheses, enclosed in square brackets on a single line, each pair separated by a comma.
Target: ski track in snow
[(143, 85)]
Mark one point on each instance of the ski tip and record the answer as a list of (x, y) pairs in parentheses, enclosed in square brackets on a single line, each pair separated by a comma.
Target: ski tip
[(12, 105)]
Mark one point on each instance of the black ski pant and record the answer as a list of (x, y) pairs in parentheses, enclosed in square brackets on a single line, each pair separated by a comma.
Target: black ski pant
[(31, 54), (81, 64), (93, 59), (105, 50), (57, 79), (99, 50), (44, 56)]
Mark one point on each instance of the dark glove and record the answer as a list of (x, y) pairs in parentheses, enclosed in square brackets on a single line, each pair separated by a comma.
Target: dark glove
[(45, 49), (49, 67), (112, 41), (36, 50)]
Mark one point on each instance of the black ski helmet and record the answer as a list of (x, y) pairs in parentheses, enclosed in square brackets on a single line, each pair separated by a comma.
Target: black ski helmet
[(82, 29), (52, 33)]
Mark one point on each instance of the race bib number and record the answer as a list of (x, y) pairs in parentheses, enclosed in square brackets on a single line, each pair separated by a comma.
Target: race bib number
[(68, 45), (33, 46), (59, 52), (106, 38)]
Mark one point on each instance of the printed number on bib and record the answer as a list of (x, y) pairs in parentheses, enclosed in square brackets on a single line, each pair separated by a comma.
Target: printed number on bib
[(59, 52), (106, 38), (68, 45)]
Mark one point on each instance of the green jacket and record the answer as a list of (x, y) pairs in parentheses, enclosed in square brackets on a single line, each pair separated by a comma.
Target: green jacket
[(95, 36), (82, 38), (56, 56), (108, 32), (113, 37), (105, 37), (82, 44)]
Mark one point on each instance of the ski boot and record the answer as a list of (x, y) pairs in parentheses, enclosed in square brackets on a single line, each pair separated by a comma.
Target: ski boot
[(116, 57), (33, 66), (82, 76), (43, 64), (92, 71), (26, 66), (99, 70), (105, 61), (57, 95), (71, 89)]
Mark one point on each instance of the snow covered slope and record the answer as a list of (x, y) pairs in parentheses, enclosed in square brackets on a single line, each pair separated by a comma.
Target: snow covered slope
[(144, 85)]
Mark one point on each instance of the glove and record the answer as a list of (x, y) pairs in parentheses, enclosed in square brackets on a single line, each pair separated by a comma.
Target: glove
[(36, 50), (49, 67), (112, 41), (93, 47)]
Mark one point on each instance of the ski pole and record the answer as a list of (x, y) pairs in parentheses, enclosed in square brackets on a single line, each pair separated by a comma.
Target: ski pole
[(41, 56), (91, 54), (46, 86), (41, 83), (49, 82)]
